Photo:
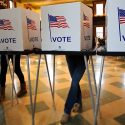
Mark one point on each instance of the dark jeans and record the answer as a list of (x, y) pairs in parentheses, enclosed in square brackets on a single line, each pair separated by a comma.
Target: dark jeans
[(77, 68), (4, 66)]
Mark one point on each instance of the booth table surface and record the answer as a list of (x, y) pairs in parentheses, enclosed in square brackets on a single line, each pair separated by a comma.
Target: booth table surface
[(105, 53), (26, 52), (88, 52)]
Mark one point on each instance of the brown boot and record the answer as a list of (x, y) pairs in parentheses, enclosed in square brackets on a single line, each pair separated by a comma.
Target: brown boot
[(22, 90), (65, 118), (2, 93)]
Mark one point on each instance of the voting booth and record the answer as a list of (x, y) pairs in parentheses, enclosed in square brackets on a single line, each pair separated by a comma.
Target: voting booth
[(66, 27), (115, 25), (33, 26), (19, 29)]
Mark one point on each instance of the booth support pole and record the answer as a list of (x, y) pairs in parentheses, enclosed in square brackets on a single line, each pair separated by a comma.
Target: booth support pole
[(50, 83), (30, 89), (37, 78), (98, 92), (90, 85)]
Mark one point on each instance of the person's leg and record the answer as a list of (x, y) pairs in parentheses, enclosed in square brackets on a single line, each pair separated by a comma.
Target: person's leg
[(79, 96), (18, 70), (71, 62), (75, 92), (71, 66), (20, 75), (80, 62), (3, 70), (3, 76), (76, 67), (77, 107)]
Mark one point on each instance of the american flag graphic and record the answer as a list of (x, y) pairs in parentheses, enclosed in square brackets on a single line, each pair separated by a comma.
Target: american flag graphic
[(57, 21), (31, 24), (86, 22), (121, 20), (121, 16), (5, 24)]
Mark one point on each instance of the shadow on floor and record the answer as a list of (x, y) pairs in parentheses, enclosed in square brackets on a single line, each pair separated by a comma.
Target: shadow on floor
[(74, 120), (2, 117)]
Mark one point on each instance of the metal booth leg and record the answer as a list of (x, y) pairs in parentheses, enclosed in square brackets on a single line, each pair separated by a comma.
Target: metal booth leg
[(50, 83), (37, 78), (93, 71), (90, 85), (30, 90), (12, 76), (98, 92), (54, 76)]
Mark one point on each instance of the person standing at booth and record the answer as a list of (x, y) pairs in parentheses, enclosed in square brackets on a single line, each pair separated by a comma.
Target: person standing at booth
[(18, 72), (4, 66), (76, 66)]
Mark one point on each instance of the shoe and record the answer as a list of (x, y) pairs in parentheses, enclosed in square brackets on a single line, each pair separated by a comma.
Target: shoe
[(22, 90), (0, 100), (0, 97), (2, 93), (65, 118), (77, 108)]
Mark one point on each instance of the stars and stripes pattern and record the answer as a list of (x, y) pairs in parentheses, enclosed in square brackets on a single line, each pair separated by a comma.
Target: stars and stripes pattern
[(57, 21), (86, 21), (121, 16), (31, 24), (5, 24)]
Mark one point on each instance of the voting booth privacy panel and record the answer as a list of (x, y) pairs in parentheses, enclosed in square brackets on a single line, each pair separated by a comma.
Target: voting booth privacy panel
[(19, 29), (33, 26), (115, 25), (66, 27)]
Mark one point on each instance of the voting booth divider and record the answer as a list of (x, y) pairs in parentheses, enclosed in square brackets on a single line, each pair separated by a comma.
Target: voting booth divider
[(19, 30), (115, 39), (66, 27), (115, 25)]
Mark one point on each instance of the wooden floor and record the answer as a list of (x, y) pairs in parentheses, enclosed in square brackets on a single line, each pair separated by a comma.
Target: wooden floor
[(112, 109)]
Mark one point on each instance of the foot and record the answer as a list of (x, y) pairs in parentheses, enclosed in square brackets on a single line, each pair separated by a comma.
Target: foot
[(77, 108), (2, 94), (21, 92), (65, 118), (0, 99)]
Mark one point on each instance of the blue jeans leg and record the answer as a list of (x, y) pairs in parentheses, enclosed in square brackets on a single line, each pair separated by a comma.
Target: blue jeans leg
[(76, 68)]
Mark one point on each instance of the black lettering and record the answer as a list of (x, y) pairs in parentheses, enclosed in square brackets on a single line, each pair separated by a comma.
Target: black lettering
[(87, 37), (59, 39), (34, 39), (14, 40), (8, 40), (64, 38), (69, 39), (1, 40), (123, 37), (54, 39)]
